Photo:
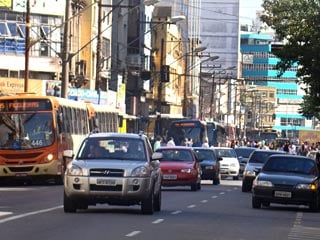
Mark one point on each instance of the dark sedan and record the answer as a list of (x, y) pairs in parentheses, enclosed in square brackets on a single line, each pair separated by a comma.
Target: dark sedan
[(287, 179), (243, 154), (210, 164), (255, 162)]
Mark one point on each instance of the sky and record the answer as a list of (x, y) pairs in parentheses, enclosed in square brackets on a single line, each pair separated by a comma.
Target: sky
[(248, 10)]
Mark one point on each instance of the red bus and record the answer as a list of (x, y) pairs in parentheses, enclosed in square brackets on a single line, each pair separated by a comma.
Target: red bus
[(35, 130)]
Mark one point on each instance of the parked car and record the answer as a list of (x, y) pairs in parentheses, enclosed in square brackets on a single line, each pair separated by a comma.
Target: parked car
[(210, 164), (229, 165), (255, 162), (243, 154), (113, 168), (180, 167), (287, 179)]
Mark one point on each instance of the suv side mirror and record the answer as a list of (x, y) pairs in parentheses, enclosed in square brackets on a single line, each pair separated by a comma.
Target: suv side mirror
[(68, 153), (156, 156)]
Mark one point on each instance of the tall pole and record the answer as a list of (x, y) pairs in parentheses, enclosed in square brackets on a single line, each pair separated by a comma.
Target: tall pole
[(160, 81), (65, 53), (27, 47), (158, 121), (212, 97), (99, 54)]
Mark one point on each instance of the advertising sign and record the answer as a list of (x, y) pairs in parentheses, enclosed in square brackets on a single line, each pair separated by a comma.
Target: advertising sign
[(56, 7)]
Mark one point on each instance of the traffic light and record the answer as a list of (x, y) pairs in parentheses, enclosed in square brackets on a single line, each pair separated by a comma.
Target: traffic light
[(165, 73)]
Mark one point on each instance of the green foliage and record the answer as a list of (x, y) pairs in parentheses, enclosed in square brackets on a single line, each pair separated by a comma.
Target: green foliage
[(297, 23)]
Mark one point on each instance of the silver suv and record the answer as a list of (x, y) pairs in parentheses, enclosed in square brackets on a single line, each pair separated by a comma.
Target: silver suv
[(113, 168)]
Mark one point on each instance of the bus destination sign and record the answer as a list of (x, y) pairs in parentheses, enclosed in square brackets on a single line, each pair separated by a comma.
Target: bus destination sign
[(25, 105)]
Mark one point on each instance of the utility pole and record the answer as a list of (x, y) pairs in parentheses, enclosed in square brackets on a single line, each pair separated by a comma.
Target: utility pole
[(65, 53), (27, 47), (99, 53)]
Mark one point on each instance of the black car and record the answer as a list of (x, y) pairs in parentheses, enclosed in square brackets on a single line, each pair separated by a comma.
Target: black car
[(210, 164), (287, 179), (255, 162), (243, 154)]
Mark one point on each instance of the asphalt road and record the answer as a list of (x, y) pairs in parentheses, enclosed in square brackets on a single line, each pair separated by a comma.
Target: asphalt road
[(215, 212)]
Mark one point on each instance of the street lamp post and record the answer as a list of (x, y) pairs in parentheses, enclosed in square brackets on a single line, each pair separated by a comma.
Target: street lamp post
[(27, 47)]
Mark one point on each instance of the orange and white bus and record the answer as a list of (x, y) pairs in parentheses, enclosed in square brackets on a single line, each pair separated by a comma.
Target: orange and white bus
[(35, 130)]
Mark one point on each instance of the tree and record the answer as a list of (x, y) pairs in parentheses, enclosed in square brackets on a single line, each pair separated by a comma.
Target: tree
[(297, 24)]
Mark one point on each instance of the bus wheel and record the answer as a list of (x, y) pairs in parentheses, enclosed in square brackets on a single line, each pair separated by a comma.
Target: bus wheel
[(69, 206)]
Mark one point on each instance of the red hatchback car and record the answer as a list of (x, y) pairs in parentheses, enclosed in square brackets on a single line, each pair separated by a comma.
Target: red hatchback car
[(180, 167)]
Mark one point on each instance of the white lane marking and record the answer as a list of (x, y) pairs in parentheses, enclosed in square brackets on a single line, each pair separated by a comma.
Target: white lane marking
[(204, 201), (132, 234), (16, 189), (229, 190), (214, 196), (8, 219), (5, 213), (176, 212), (158, 221), (222, 193), (191, 206)]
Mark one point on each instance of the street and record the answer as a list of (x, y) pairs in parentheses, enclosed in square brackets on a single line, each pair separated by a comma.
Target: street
[(215, 212)]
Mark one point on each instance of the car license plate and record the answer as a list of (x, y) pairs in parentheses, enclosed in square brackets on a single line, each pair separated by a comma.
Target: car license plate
[(21, 175), (282, 194), (106, 182), (169, 176)]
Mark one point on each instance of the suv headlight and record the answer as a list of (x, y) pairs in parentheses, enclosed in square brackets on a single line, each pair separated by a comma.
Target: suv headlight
[(141, 171), (75, 170)]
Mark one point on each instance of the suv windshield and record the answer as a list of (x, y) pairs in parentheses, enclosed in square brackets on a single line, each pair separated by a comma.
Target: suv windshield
[(112, 148)]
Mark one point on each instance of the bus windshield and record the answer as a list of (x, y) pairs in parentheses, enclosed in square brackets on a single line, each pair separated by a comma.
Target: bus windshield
[(182, 130), (26, 130)]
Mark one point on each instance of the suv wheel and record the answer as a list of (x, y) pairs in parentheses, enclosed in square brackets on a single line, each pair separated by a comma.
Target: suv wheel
[(147, 205), (69, 205), (157, 201)]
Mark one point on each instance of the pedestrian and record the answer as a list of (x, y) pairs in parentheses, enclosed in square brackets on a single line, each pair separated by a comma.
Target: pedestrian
[(303, 150), (205, 143), (189, 143), (157, 143), (171, 143)]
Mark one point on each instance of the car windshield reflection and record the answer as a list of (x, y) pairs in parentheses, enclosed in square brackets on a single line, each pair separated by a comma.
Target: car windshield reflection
[(176, 155), (109, 148), (301, 166)]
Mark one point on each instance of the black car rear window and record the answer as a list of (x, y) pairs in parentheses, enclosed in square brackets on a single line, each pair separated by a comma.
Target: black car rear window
[(244, 152), (205, 155), (260, 157)]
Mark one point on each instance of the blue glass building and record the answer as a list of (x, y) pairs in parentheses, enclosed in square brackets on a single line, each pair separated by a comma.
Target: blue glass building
[(258, 69)]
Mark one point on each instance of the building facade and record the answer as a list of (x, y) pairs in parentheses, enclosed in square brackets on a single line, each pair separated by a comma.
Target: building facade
[(258, 70)]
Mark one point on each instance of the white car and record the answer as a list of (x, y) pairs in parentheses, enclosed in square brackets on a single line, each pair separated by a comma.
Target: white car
[(229, 166)]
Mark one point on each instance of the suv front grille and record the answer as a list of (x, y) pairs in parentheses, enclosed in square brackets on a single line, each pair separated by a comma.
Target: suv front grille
[(106, 172), (117, 188)]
